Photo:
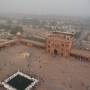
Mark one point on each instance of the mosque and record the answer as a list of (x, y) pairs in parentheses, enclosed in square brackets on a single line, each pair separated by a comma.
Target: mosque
[(57, 43), (57, 54)]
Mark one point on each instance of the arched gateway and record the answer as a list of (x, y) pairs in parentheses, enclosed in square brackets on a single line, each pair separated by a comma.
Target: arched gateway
[(59, 43)]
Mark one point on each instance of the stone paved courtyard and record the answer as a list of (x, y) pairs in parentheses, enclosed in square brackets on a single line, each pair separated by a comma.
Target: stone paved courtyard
[(54, 73)]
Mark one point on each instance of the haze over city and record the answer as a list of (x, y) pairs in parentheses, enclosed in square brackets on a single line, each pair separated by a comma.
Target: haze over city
[(44, 44), (46, 7)]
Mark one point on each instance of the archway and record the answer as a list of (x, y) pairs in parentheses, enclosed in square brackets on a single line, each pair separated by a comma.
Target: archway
[(55, 52)]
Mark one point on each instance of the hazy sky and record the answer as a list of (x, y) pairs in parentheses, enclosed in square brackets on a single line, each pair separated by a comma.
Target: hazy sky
[(58, 7)]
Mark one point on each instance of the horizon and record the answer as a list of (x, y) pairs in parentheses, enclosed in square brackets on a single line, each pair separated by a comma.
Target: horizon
[(42, 15)]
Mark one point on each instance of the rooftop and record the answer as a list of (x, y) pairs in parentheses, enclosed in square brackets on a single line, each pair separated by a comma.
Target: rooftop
[(65, 33)]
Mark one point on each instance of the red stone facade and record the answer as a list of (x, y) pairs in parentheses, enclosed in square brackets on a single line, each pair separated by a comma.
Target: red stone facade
[(59, 43)]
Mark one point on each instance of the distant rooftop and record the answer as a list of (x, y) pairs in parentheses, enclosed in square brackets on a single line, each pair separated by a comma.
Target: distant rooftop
[(66, 33)]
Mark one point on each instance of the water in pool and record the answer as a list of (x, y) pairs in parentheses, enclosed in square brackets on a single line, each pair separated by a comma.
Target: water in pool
[(19, 82)]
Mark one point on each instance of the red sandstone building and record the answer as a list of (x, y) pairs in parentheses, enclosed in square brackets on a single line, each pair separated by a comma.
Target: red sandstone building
[(59, 43)]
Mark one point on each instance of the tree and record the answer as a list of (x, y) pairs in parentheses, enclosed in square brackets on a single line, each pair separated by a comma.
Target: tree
[(16, 29)]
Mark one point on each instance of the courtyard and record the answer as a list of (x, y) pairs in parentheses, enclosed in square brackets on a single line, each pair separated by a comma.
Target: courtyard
[(54, 73)]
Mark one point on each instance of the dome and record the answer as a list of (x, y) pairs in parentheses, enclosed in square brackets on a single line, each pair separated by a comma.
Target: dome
[(18, 33)]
